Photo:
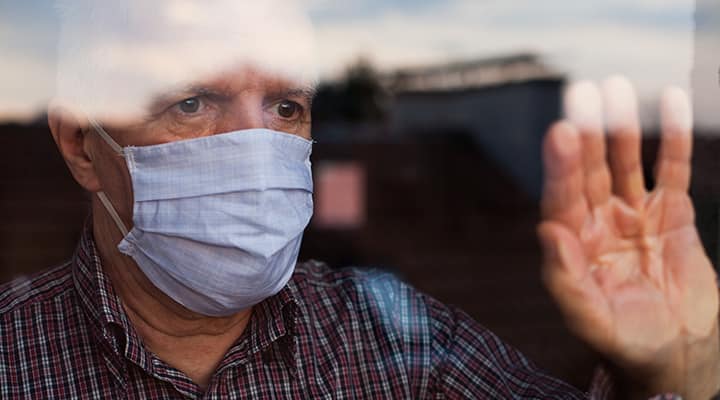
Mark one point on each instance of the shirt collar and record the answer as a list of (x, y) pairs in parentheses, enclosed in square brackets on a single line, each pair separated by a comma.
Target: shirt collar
[(273, 320), (270, 332)]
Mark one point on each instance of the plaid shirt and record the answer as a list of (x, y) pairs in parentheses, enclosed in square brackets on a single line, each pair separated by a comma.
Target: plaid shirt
[(328, 334)]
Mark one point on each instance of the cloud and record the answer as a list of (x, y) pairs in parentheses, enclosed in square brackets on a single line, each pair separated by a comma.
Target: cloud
[(651, 41), (115, 58), (587, 43)]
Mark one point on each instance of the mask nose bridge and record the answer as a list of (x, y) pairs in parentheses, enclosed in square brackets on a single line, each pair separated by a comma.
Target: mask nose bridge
[(248, 114), (106, 137)]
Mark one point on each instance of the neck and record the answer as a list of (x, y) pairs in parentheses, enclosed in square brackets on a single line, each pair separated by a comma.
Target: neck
[(190, 342)]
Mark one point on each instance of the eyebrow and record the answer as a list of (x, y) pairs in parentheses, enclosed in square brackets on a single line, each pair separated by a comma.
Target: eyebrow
[(307, 92), (172, 96)]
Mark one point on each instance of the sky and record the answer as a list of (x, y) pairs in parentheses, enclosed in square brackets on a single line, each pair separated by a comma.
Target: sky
[(650, 41)]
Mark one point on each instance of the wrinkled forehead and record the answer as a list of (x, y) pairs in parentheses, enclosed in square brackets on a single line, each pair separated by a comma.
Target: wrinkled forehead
[(115, 57)]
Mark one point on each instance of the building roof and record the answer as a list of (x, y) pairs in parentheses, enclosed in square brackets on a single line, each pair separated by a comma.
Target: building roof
[(471, 74)]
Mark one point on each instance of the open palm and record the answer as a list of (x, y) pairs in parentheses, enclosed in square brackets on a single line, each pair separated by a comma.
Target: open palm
[(625, 265)]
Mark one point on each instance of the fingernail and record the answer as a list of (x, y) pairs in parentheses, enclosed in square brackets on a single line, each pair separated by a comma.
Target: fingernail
[(583, 106), (677, 114), (621, 110)]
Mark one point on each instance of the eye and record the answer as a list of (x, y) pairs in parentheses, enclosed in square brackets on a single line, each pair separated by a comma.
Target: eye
[(288, 109), (189, 106)]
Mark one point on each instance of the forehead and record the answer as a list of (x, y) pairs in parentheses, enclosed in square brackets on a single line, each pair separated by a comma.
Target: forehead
[(251, 77), (117, 56), (243, 79)]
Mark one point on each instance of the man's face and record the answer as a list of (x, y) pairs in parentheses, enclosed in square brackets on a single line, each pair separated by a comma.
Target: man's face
[(243, 98)]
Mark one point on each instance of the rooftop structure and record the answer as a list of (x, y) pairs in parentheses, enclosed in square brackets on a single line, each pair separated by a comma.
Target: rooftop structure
[(474, 74)]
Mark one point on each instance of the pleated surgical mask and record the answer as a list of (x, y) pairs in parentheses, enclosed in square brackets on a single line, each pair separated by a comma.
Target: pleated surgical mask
[(218, 220)]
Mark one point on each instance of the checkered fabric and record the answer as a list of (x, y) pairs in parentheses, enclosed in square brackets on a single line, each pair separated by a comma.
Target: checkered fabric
[(329, 334)]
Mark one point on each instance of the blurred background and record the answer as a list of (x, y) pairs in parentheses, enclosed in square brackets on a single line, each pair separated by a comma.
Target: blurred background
[(428, 120)]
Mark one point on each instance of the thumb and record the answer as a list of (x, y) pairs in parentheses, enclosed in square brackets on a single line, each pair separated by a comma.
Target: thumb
[(562, 251), (567, 277)]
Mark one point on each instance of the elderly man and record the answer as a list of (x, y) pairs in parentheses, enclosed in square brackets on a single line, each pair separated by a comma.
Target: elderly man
[(190, 127)]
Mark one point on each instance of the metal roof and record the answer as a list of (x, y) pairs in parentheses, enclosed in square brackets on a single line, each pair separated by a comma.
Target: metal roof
[(471, 74)]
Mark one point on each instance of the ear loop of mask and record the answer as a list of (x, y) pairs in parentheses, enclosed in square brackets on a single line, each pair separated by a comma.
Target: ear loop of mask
[(107, 138), (101, 195), (111, 210)]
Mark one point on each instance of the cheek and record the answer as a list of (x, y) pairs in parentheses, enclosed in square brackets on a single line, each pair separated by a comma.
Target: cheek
[(305, 132), (300, 126), (173, 129)]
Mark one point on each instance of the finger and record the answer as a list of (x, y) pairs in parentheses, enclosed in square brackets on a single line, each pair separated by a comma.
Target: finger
[(625, 140), (673, 165), (562, 250), (563, 198), (583, 108)]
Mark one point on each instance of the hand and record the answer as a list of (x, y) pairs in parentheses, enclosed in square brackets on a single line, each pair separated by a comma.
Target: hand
[(625, 265)]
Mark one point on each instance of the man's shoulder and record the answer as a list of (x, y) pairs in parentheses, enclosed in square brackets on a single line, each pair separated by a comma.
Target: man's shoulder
[(317, 277), (39, 288), (46, 344), (319, 273), (369, 292)]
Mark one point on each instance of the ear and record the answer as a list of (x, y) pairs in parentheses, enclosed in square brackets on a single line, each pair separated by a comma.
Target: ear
[(71, 139)]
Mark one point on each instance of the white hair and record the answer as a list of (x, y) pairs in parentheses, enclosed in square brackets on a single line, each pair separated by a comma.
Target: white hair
[(113, 56)]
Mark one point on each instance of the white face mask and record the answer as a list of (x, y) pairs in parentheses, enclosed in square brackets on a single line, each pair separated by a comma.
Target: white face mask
[(218, 220)]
